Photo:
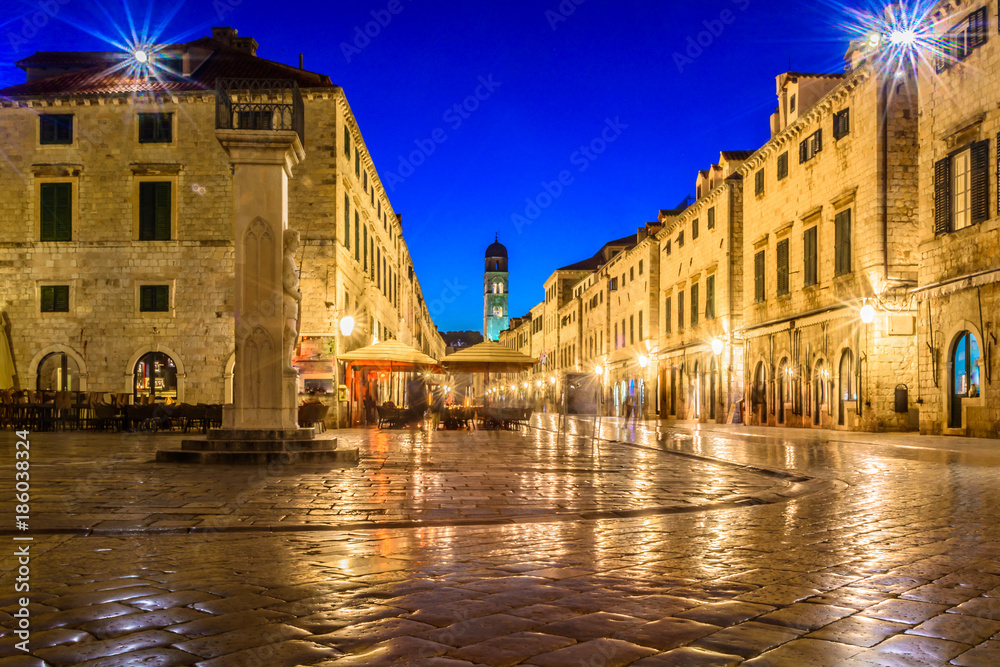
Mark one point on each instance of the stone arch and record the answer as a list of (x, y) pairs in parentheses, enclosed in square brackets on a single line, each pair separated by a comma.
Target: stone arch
[(31, 379), (129, 376)]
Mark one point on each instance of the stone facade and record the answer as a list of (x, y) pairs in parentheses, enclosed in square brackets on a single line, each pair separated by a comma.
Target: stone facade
[(700, 298), (335, 201), (958, 298), (829, 230)]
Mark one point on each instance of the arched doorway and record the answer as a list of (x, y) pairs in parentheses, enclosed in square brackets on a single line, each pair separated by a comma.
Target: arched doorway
[(712, 391), (155, 377), (784, 387), (819, 390), (758, 395), (58, 372), (964, 381), (846, 380)]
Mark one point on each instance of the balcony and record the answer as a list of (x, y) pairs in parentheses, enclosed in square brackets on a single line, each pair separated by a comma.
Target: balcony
[(259, 105)]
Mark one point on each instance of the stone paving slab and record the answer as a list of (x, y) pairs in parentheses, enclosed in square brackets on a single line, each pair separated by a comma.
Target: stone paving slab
[(897, 567)]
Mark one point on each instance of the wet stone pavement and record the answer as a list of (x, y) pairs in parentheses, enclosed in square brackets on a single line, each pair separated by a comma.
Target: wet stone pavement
[(650, 546)]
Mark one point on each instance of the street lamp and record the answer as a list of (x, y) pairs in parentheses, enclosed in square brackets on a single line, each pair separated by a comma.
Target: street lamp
[(346, 328), (867, 313), (717, 346)]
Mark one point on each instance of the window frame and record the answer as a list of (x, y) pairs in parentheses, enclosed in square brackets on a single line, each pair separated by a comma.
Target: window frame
[(144, 287), (810, 260), (140, 185), (42, 184), (759, 287), (811, 146), (782, 166), (56, 140), (54, 299), (781, 267), (141, 123)]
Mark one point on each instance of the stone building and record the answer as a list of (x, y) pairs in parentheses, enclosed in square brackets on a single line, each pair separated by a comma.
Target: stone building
[(700, 297), (829, 226), (116, 250), (957, 299)]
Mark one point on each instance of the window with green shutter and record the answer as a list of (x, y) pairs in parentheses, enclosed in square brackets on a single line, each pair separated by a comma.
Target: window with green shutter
[(158, 128), (347, 142), (365, 244), (783, 166), (357, 239), (694, 229), (667, 313), (694, 303), (154, 298), (154, 211), (758, 277), (55, 299), (711, 218), (759, 182), (842, 123), (56, 211), (55, 128), (809, 257), (357, 163), (782, 264), (680, 310), (710, 297), (842, 243), (347, 223)]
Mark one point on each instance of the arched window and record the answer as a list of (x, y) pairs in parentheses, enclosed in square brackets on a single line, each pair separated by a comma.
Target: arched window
[(155, 375), (58, 372)]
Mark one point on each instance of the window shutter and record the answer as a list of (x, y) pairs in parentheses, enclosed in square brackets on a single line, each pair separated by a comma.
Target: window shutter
[(942, 196), (347, 221), (162, 298), (758, 276), (802, 151), (47, 130), (147, 211), (694, 304), (680, 311), (759, 182), (783, 166), (842, 252), (710, 297), (711, 218), (819, 140), (811, 277), (48, 204), (347, 143), (48, 299), (694, 229), (783, 267), (980, 157), (146, 298), (977, 28), (60, 298), (162, 213), (64, 211)]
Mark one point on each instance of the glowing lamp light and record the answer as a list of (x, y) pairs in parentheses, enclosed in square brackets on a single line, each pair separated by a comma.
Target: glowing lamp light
[(346, 325), (643, 361), (874, 40), (867, 313), (552, 380), (538, 383), (525, 385), (513, 388), (598, 370), (717, 346), (903, 38), (140, 56)]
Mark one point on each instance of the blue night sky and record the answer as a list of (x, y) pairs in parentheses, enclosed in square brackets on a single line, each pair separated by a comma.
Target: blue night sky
[(630, 71)]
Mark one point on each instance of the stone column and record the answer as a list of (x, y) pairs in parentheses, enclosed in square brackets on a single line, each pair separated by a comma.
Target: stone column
[(264, 382)]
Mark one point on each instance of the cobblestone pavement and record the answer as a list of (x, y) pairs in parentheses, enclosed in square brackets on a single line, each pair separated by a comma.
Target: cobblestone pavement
[(895, 565)]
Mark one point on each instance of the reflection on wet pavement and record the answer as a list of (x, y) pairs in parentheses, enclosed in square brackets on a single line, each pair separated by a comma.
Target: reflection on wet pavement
[(898, 567)]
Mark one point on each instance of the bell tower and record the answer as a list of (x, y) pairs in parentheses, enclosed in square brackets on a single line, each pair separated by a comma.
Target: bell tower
[(496, 316)]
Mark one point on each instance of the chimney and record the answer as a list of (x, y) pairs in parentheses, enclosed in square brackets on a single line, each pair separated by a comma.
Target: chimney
[(245, 44), (224, 35)]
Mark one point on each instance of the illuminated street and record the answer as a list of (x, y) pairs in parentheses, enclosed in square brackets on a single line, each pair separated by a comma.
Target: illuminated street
[(673, 548)]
